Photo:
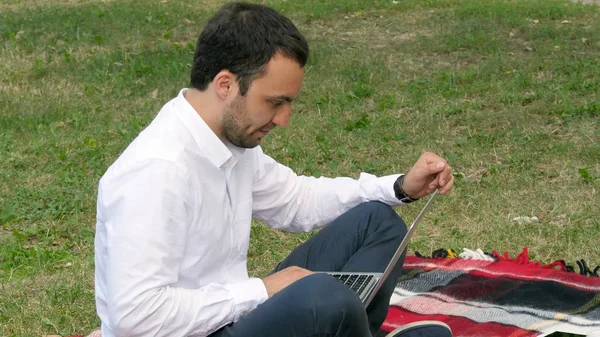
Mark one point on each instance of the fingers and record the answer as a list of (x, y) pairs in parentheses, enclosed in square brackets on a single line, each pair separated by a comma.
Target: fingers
[(431, 172), (445, 180), (433, 184), (442, 172), (435, 166), (447, 186), (445, 176)]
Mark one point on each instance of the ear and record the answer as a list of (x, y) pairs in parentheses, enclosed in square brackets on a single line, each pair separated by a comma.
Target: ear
[(225, 85)]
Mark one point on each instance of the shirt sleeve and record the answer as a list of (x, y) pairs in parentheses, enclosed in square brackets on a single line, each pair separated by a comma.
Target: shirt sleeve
[(298, 203), (146, 211)]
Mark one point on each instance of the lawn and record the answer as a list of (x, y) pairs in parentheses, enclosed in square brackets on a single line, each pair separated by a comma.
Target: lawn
[(507, 91)]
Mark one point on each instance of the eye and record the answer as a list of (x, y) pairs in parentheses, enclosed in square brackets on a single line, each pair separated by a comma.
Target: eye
[(276, 104)]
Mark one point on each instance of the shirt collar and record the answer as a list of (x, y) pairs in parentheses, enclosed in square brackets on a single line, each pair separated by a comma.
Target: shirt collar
[(208, 142)]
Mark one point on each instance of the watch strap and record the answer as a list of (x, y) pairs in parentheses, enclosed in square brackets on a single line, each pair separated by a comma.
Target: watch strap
[(400, 194)]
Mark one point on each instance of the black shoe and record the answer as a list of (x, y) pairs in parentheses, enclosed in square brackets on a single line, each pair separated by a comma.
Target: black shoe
[(422, 329)]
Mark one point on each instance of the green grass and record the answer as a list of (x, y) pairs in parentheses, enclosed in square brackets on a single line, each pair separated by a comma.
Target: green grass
[(506, 90)]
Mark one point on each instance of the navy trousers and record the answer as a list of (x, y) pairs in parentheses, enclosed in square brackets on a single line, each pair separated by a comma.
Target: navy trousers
[(363, 239)]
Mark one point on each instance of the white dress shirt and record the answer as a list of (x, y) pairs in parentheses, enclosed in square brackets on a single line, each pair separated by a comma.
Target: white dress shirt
[(173, 225)]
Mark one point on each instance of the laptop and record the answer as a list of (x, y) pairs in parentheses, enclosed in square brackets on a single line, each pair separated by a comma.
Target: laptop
[(367, 284)]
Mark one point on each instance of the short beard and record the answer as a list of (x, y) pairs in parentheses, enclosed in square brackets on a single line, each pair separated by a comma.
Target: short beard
[(234, 117)]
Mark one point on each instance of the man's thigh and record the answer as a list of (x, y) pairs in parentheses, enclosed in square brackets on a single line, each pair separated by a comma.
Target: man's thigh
[(316, 305), (364, 239)]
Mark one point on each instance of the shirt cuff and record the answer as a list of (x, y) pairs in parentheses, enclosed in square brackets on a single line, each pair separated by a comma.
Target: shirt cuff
[(246, 295), (380, 188)]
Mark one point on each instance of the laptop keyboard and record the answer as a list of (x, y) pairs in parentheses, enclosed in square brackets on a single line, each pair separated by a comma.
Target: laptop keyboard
[(357, 283)]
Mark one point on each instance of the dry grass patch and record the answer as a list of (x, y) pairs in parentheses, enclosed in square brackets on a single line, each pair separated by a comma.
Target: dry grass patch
[(29, 4), (374, 29)]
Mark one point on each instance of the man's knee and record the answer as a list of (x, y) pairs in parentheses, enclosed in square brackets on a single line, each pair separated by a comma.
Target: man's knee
[(378, 209), (387, 214)]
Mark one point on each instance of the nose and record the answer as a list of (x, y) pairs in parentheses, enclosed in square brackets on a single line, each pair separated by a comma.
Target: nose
[(282, 117)]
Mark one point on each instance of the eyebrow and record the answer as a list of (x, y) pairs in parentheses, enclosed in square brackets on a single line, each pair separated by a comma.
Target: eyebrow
[(282, 97)]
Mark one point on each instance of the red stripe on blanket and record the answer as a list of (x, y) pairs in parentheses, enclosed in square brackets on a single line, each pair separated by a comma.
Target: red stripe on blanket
[(460, 326), (505, 269)]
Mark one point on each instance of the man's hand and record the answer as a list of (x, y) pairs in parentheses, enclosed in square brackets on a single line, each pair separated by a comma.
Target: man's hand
[(283, 278), (429, 173)]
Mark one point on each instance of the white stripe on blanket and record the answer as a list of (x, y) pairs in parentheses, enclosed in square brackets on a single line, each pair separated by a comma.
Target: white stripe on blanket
[(522, 317)]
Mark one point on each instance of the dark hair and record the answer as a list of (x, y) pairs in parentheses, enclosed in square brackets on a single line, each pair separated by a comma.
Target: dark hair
[(242, 38)]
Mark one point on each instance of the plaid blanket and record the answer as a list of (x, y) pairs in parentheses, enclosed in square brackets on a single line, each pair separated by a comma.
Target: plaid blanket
[(509, 297), (495, 298)]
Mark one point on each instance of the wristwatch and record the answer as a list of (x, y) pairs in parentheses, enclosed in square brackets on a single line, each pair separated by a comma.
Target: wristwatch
[(400, 194)]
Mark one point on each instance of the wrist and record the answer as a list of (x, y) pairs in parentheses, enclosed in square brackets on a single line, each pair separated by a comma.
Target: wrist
[(399, 191)]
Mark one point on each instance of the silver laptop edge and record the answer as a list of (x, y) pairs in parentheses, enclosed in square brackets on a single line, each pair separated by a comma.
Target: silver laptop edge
[(376, 282), (400, 250)]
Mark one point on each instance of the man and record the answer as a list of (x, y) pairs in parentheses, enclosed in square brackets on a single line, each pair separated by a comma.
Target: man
[(174, 210)]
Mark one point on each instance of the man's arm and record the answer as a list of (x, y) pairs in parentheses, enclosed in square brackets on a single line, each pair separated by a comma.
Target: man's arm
[(145, 214), (299, 203)]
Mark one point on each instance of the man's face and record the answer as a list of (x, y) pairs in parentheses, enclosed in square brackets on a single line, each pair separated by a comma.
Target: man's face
[(267, 103)]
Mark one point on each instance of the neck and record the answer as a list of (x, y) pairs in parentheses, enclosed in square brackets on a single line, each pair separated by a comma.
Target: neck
[(207, 107)]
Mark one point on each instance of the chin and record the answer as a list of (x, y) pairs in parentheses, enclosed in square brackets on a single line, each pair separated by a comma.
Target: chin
[(249, 145)]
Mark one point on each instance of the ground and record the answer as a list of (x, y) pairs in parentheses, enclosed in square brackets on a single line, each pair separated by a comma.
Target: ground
[(507, 91)]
